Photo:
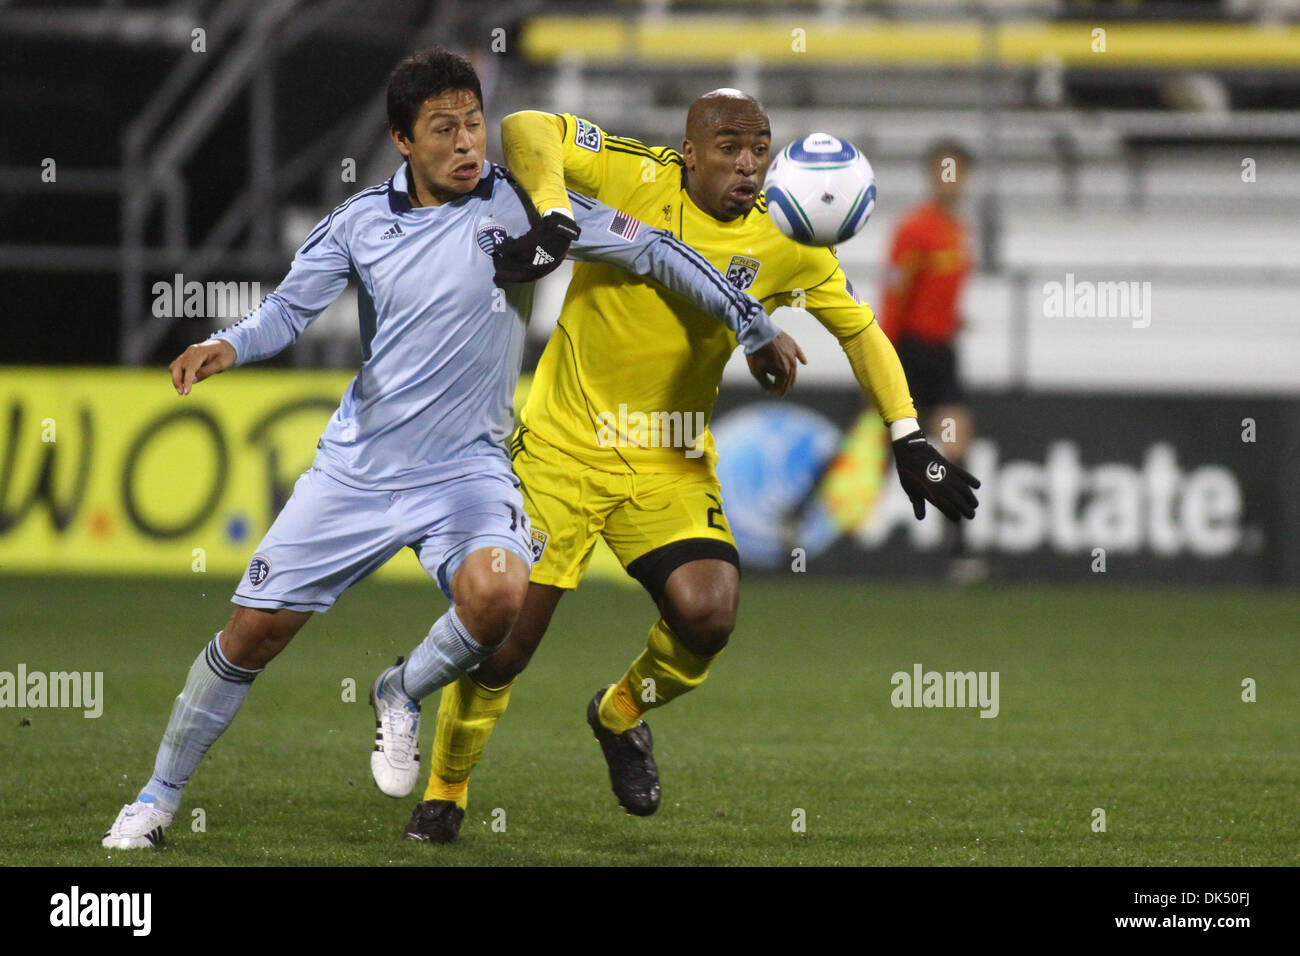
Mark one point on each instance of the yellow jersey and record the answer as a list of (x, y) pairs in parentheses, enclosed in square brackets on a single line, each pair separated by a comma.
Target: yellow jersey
[(629, 356)]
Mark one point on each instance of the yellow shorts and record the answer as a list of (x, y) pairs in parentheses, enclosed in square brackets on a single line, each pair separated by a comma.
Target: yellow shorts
[(570, 504)]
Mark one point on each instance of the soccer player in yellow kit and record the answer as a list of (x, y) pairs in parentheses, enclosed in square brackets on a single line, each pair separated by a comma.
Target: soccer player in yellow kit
[(608, 445)]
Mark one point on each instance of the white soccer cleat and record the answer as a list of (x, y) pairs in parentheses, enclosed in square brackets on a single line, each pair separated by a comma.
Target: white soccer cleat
[(138, 825), (395, 761)]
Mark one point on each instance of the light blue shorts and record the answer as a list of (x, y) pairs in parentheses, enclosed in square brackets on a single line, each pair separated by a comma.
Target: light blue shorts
[(331, 535)]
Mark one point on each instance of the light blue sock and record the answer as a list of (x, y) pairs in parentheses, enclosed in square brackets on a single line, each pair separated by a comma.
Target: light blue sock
[(444, 656), (393, 690), (205, 708)]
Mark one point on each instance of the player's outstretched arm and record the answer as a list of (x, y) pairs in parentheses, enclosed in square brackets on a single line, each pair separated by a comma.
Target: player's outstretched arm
[(924, 473), (621, 240), (200, 361), (318, 274)]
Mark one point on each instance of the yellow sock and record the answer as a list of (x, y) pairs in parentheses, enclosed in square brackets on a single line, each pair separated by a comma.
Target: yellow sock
[(466, 715), (618, 710), (664, 671), (439, 789)]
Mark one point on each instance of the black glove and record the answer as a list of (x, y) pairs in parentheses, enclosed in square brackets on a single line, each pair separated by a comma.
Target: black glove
[(927, 476), (536, 253)]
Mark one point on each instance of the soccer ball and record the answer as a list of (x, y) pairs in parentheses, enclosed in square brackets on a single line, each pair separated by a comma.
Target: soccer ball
[(820, 190)]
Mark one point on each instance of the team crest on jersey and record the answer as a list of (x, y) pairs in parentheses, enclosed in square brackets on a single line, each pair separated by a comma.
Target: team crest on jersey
[(540, 538), (490, 237), (259, 569), (587, 136), (742, 271)]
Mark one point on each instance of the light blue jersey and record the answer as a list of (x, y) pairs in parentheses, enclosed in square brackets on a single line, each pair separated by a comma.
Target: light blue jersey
[(442, 346)]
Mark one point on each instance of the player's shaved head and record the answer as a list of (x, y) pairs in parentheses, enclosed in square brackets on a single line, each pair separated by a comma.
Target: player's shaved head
[(725, 109), (728, 138)]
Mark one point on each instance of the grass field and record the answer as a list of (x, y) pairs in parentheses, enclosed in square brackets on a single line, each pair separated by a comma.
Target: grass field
[(1123, 699)]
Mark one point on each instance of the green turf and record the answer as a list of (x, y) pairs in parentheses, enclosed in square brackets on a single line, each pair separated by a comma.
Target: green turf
[(1123, 699)]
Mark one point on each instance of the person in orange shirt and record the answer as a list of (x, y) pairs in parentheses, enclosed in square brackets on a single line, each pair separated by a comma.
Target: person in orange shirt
[(929, 261)]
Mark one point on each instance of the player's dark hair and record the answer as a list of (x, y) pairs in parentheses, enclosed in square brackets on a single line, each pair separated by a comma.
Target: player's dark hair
[(421, 75), (945, 148)]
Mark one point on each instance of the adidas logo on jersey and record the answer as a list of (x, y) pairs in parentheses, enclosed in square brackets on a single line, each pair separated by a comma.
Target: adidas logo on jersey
[(542, 257), (393, 232)]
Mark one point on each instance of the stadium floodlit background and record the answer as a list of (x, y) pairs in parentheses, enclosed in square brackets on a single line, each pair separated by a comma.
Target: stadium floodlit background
[(161, 161)]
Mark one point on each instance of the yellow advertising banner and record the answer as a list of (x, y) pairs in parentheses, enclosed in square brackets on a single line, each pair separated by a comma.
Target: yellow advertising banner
[(110, 471)]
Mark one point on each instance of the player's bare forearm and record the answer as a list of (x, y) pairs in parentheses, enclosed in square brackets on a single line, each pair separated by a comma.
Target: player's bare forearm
[(533, 143), (201, 361)]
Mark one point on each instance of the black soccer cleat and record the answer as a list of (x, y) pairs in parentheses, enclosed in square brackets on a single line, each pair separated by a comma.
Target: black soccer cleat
[(435, 821), (631, 760)]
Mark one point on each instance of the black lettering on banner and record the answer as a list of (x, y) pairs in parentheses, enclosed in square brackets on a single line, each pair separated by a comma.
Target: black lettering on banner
[(61, 515), (151, 431), (715, 511)]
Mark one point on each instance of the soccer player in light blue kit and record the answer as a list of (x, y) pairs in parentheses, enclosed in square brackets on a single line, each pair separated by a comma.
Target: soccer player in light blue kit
[(414, 456)]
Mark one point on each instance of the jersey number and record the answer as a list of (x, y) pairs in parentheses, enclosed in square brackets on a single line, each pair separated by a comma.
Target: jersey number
[(715, 511)]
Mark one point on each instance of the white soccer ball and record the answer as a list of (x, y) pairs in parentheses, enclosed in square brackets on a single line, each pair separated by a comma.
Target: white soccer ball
[(820, 190)]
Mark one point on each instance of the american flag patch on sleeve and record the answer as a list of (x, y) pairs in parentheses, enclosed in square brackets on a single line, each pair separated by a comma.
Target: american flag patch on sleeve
[(624, 226)]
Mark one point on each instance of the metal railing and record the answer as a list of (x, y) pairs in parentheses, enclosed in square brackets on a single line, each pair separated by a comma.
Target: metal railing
[(254, 35)]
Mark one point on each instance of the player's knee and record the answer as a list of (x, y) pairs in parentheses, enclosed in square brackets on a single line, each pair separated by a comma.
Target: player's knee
[(507, 663), (252, 637), (515, 653), (489, 605), (702, 620)]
